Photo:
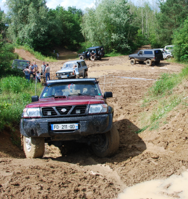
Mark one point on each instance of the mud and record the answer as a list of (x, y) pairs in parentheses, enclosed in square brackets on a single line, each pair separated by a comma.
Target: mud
[(150, 155)]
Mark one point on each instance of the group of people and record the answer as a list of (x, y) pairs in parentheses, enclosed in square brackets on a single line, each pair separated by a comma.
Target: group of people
[(33, 70)]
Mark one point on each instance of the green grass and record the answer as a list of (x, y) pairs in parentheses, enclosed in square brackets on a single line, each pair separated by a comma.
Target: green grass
[(163, 99), (38, 55), (15, 93)]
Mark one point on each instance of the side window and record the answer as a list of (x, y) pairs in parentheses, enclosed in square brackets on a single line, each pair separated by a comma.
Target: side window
[(83, 63), (140, 53), (148, 52)]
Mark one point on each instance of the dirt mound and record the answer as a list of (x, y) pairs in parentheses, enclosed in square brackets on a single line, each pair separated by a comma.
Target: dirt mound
[(141, 157)]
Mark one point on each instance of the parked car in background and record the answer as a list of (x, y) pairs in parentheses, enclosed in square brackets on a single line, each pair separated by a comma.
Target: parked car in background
[(20, 64), (169, 48), (167, 55), (93, 53), (148, 55), (73, 69)]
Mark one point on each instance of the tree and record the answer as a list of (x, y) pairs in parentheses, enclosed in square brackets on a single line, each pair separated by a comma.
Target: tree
[(172, 14), (180, 39), (6, 55), (108, 25), (28, 22)]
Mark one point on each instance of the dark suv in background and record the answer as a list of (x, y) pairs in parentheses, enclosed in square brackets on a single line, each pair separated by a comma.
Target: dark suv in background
[(20, 64), (149, 56), (93, 53)]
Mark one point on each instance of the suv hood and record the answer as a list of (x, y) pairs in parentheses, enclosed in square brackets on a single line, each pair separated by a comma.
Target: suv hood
[(67, 101), (65, 70)]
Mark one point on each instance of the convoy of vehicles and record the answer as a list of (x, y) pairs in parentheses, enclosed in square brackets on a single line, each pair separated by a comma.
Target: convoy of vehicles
[(69, 111)]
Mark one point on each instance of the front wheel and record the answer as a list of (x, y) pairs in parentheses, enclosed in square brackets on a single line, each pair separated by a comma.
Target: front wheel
[(132, 61), (107, 144), (33, 147), (148, 62)]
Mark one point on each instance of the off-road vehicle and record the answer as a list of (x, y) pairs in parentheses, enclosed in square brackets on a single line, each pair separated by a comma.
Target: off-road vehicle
[(70, 71), (149, 56), (69, 111), (93, 53), (20, 64)]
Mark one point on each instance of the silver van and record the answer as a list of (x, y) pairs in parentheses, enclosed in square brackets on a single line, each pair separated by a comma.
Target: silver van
[(73, 69)]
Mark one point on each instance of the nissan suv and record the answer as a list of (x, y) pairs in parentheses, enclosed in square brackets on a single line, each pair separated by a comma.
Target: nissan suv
[(69, 111)]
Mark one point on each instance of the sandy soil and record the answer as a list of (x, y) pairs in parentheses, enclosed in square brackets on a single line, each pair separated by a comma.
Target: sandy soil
[(149, 155)]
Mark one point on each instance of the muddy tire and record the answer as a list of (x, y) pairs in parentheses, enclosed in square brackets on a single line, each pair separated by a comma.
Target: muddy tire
[(33, 147), (81, 57), (92, 57), (132, 61), (148, 62), (107, 144)]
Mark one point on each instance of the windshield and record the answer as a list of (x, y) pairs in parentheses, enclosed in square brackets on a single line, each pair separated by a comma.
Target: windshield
[(69, 65), (71, 89)]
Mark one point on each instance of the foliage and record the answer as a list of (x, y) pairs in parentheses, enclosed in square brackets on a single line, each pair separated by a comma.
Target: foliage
[(28, 22), (180, 39), (15, 93), (165, 83), (6, 56), (108, 25), (64, 27), (172, 14), (38, 55)]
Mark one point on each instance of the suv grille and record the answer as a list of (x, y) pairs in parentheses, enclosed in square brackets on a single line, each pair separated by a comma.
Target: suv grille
[(48, 111), (64, 110)]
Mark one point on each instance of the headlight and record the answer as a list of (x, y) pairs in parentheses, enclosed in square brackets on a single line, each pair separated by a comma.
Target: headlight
[(31, 112), (57, 74), (98, 108)]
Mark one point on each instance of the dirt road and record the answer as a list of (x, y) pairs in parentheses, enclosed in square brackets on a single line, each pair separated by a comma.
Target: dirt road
[(141, 157)]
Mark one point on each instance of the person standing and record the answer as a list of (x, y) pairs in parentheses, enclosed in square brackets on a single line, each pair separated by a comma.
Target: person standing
[(43, 67), (47, 71), (27, 73), (32, 71), (36, 67)]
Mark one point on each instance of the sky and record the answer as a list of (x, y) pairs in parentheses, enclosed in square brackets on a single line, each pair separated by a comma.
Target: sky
[(64, 3), (79, 4)]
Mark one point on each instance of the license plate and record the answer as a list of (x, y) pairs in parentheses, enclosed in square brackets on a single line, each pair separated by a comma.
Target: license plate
[(60, 127), (64, 76)]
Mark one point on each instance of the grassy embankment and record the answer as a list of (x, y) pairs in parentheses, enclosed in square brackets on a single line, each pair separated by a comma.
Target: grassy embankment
[(38, 55), (166, 94), (15, 93)]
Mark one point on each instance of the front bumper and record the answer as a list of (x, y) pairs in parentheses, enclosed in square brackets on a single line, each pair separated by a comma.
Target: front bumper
[(88, 125)]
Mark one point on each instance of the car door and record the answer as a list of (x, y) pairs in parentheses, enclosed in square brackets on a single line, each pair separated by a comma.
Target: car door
[(140, 56), (80, 69)]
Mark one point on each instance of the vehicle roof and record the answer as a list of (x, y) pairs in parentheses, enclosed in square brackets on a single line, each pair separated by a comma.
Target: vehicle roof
[(21, 60), (79, 60), (91, 48), (72, 80), (169, 45), (150, 49)]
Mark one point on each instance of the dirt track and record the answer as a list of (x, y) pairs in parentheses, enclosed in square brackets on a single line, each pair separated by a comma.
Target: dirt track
[(141, 157)]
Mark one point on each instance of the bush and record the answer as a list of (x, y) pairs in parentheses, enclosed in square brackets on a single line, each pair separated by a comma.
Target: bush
[(15, 94)]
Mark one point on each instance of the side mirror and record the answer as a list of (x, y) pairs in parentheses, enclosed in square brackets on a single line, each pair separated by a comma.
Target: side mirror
[(35, 98), (108, 94)]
